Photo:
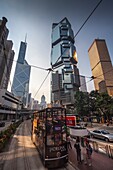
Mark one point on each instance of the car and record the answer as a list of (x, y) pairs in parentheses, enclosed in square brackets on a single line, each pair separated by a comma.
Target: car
[(2, 124), (13, 120), (102, 134)]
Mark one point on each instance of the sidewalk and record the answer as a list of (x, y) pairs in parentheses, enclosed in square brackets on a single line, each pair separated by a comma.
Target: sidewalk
[(99, 161)]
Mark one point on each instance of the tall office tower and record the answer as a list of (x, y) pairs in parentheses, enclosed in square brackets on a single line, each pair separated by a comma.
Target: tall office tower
[(6, 55), (43, 103), (65, 78), (21, 78), (101, 66), (83, 86)]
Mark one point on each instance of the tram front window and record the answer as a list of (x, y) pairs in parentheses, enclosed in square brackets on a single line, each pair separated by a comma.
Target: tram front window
[(55, 127), (56, 135), (50, 140)]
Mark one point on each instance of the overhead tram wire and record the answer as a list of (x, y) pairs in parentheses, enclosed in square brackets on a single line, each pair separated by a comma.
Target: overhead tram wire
[(51, 69), (48, 69), (88, 18), (87, 81), (104, 73), (73, 38), (42, 84), (92, 77), (82, 26), (41, 68)]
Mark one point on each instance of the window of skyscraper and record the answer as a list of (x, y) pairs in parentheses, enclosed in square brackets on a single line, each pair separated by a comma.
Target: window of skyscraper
[(67, 78), (55, 34), (65, 50), (56, 53), (64, 32)]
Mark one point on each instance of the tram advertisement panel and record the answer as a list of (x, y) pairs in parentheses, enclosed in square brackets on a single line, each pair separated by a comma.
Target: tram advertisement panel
[(56, 151)]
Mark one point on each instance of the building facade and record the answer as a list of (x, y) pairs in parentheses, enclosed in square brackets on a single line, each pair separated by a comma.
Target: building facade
[(8, 105), (6, 55), (83, 86), (21, 79), (65, 77), (101, 66), (43, 103)]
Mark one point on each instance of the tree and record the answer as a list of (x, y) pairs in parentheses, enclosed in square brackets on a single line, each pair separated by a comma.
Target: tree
[(82, 103), (94, 102), (104, 104)]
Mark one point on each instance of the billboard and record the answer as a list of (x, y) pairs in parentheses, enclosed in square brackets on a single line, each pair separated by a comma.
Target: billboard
[(71, 120)]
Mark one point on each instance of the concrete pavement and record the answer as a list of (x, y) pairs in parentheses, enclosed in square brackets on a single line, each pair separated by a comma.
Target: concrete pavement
[(99, 161)]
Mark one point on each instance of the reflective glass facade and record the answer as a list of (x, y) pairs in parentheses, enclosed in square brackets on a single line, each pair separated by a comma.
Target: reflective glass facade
[(21, 79), (65, 79)]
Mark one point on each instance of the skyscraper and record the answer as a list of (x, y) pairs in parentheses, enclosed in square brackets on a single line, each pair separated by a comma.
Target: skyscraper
[(21, 79), (101, 66), (65, 78), (6, 55), (83, 86)]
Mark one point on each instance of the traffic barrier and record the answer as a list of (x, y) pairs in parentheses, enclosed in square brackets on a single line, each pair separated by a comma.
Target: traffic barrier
[(101, 148)]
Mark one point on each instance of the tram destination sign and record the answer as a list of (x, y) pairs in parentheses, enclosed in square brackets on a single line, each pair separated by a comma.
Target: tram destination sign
[(57, 148)]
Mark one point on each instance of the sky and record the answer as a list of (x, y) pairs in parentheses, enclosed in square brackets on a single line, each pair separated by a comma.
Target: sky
[(35, 18)]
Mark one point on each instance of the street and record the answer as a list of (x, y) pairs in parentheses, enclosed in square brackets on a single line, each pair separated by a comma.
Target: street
[(22, 154)]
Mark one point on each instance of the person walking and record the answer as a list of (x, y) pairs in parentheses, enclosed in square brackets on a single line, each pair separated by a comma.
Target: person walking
[(78, 150), (68, 143), (88, 153)]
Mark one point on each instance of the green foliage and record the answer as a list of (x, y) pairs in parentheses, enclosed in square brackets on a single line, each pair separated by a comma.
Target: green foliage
[(6, 134), (93, 102), (81, 103)]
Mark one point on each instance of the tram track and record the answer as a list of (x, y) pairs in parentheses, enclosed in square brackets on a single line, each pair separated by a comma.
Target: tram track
[(22, 154), (27, 165), (30, 160), (65, 167)]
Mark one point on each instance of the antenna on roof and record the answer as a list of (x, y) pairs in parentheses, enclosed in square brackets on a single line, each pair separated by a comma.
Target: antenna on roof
[(25, 37)]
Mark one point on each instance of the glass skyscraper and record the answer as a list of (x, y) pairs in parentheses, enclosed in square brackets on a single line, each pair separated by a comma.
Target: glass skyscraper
[(21, 79), (65, 78)]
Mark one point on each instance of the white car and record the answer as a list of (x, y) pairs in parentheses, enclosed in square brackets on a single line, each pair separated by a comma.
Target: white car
[(102, 134)]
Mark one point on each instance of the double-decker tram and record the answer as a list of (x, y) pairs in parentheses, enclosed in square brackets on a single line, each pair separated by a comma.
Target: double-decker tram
[(49, 134)]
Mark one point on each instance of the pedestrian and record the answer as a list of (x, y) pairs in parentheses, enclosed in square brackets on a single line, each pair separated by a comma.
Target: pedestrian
[(68, 143), (84, 150), (88, 153), (78, 150)]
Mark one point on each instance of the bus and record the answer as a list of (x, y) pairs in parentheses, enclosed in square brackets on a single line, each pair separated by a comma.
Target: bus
[(49, 134)]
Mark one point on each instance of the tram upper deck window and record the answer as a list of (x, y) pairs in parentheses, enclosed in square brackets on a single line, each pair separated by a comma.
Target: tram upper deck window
[(58, 139), (57, 129), (50, 140), (49, 116)]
